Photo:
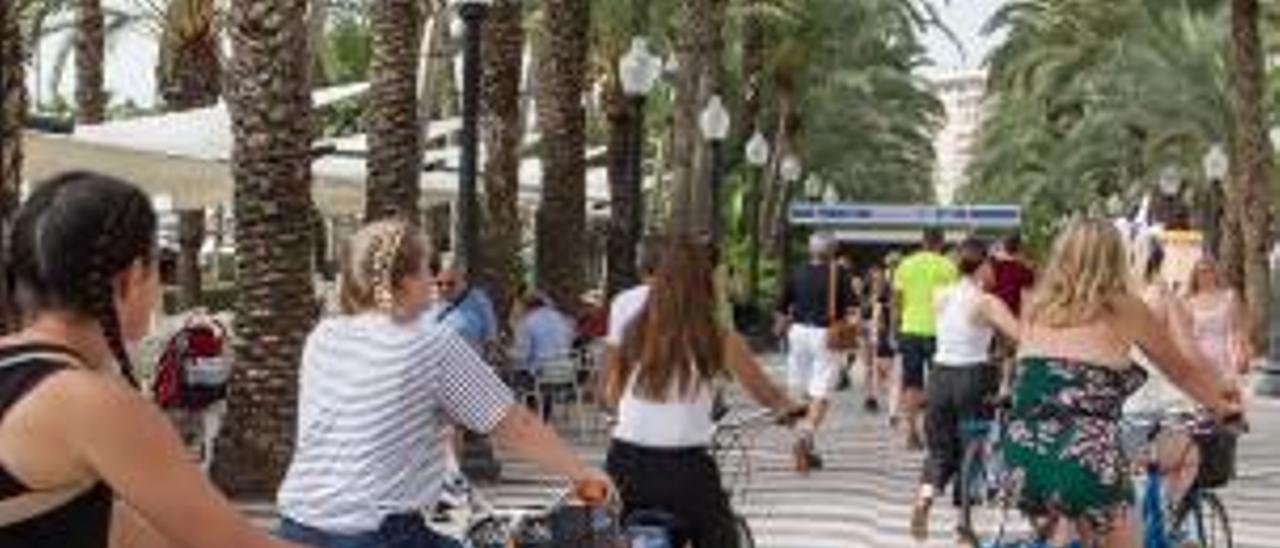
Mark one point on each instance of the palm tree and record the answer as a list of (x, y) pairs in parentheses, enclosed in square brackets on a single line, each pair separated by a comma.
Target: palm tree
[(502, 129), (699, 46), (561, 220), (395, 146), (268, 92), (189, 71), (1249, 194), (91, 96), (13, 109)]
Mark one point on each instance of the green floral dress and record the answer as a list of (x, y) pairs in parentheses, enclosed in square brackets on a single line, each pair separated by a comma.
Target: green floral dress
[(1062, 444)]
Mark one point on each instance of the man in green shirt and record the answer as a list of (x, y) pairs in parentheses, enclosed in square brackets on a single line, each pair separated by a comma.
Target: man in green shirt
[(917, 279)]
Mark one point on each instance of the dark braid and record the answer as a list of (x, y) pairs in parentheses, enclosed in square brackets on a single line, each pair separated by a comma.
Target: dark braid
[(71, 238)]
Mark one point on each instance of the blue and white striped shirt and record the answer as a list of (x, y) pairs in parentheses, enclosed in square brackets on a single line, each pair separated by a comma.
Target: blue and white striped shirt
[(374, 408)]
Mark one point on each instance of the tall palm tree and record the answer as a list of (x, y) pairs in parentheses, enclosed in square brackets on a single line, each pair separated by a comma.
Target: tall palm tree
[(502, 129), (1249, 194), (269, 94), (699, 46), (395, 145), (13, 109), (561, 221), (189, 70), (91, 96)]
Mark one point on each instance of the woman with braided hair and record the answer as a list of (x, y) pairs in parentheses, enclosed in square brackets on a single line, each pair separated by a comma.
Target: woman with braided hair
[(84, 459), (379, 392)]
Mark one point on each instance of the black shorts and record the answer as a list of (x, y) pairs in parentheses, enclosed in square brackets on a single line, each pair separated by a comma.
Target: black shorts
[(681, 483), (917, 355)]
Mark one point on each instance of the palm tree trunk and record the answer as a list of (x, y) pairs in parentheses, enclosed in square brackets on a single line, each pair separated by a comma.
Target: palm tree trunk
[(269, 94), (190, 239), (91, 97), (13, 110), (189, 71), (1247, 78), (395, 147), (561, 222), (502, 132), (698, 48)]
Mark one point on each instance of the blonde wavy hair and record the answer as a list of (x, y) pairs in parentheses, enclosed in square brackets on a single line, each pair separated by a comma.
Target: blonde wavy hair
[(1087, 273), (377, 259)]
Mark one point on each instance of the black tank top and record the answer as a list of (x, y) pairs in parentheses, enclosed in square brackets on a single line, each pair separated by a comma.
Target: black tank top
[(83, 522)]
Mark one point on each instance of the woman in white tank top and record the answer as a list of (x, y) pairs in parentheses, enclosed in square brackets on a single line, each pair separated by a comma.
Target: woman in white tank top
[(660, 379), (963, 375)]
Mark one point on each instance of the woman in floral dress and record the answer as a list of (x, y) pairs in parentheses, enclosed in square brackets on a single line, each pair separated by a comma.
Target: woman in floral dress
[(1063, 443)]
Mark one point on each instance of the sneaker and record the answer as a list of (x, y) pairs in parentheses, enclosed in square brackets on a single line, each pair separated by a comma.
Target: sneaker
[(920, 519), (815, 460)]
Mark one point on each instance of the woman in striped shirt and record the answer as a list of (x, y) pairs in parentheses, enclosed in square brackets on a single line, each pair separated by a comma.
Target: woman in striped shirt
[(379, 391)]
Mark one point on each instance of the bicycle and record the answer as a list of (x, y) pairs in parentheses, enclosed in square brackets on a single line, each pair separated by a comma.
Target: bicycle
[(537, 526), (1199, 519), (731, 446)]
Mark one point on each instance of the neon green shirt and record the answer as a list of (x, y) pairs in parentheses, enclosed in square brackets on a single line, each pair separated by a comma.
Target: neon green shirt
[(916, 280)]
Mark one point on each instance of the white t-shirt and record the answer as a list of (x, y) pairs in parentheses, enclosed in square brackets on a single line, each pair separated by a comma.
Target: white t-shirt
[(674, 423)]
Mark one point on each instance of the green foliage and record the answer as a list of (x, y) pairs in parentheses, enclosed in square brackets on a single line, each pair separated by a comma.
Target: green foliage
[(346, 51), (1093, 99)]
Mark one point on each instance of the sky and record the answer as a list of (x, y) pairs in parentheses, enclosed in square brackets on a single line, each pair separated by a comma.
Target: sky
[(131, 57)]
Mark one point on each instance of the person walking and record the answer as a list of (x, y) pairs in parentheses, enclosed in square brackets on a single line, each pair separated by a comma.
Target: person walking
[(964, 376), (816, 296), (87, 461), (1075, 373), (1219, 320), (378, 393), (672, 351), (915, 284)]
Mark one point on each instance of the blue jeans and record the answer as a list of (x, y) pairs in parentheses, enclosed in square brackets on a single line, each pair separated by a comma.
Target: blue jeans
[(397, 531)]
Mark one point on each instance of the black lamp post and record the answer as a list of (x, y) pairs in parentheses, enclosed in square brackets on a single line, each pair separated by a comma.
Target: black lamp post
[(472, 13), (757, 153), (714, 123), (1216, 165), (638, 71), (478, 461)]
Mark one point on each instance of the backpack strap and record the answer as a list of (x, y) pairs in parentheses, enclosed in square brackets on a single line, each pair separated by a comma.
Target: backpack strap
[(29, 505)]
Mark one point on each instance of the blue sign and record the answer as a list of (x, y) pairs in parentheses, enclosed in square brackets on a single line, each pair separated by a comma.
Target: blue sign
[(877, 215)]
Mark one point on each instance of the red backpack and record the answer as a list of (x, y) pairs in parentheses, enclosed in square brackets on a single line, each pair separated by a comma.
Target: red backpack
[(193, 370)]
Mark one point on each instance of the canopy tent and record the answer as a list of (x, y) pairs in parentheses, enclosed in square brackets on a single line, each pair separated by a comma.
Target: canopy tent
[(186, 156)]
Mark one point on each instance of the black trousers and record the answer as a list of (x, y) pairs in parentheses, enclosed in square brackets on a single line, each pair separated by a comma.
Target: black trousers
[(684, 483), (955, 394)]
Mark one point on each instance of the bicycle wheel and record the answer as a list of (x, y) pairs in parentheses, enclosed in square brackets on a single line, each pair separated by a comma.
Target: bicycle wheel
[(1203, 520), (984, 506), (745, 540), (489, 532)]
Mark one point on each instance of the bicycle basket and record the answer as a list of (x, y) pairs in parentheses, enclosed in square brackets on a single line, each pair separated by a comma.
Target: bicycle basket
[(1217, 458), (585, 527)]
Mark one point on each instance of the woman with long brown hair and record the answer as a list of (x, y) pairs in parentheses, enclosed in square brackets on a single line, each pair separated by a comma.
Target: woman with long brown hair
[(673, 351)]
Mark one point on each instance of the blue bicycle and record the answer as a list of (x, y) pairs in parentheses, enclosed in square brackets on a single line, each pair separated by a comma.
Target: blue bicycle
[(990, 517)]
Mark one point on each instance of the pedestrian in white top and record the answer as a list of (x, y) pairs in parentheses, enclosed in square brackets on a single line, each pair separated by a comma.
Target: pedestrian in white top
[(964, 376), (671, 352), (378, 392)]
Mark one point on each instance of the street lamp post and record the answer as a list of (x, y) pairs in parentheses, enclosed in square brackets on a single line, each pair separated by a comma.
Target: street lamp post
[(638, 71), (791, 171), (1215, 165), (758, 157), (472, 13), (478, 460), (714, 123)]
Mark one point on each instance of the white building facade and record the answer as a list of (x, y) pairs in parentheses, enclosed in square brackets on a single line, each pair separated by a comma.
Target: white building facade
[(963, 93)]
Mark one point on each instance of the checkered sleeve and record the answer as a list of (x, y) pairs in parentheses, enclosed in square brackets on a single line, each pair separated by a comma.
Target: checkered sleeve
[(468, 389)]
